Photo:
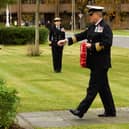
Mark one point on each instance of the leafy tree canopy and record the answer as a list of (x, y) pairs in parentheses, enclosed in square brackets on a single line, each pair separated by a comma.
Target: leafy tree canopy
[(3, 3)]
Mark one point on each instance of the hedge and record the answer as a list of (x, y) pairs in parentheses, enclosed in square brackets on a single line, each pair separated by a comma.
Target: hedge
[(9, 102), (21, 35)]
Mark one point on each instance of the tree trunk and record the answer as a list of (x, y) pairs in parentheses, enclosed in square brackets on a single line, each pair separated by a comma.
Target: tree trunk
[(36, 51), (57, 3), (19, 13)]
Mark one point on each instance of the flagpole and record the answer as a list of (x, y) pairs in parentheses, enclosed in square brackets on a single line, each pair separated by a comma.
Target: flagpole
[(7, 16), (73, 16)]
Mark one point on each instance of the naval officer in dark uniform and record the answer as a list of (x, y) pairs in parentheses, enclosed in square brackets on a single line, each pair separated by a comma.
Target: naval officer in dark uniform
[(99, 41), (56, 33)]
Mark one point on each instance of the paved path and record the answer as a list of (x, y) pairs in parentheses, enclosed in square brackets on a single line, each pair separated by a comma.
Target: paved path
[(64, 118), (121, 41)]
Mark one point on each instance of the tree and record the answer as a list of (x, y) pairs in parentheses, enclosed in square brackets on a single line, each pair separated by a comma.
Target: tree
[(33, 49), (3, 3), (112, 8), (57, 4), (37, 53), (82, 4)]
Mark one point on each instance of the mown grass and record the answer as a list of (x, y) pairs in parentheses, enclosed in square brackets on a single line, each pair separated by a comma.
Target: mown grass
[(121, 32), (40, 89), (107, 126)]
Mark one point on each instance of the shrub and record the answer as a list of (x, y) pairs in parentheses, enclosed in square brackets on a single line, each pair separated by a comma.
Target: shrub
[(21, 35), (8, 105)]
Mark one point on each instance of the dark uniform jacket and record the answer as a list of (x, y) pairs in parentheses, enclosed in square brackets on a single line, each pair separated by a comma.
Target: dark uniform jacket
[(97, 33), (56, 34)]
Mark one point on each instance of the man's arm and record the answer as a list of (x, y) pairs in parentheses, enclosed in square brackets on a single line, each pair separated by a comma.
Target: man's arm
[(73, 39), (106, 40), (107, 37)]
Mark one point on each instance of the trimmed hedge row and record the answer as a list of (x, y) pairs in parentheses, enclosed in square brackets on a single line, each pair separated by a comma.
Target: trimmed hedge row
[(21, 35), (9, 102)]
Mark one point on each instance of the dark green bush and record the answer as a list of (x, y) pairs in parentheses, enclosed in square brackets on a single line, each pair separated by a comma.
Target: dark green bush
[(21, 35), (8, 105)]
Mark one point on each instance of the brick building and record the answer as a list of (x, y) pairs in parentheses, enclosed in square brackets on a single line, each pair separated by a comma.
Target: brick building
[(24, 11)]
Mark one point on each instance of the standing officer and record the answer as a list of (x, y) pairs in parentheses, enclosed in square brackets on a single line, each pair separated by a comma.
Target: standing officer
[(56, 33), (99, 41)]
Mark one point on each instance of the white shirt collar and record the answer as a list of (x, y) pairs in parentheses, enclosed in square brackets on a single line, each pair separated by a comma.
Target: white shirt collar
[(58, 27), (98, 21)]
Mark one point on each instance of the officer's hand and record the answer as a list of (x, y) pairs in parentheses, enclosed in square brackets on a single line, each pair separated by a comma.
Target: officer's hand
[(88, 45), (62, 42)]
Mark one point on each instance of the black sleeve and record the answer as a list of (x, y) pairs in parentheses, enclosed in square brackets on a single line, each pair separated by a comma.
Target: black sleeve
[(50, 35), (79, 37), (63, 35), (70, 41), (107, 37)]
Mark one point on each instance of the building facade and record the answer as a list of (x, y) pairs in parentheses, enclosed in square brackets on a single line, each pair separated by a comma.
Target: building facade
[(24, 11)]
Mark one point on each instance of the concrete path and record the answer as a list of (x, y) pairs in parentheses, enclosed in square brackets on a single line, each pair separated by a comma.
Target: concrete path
[(121, 41), (64, 118)]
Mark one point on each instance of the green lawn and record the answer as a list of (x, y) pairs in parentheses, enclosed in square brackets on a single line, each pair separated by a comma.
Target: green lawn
[(115, 32), (121, 32), (109, 126), (40, 89)]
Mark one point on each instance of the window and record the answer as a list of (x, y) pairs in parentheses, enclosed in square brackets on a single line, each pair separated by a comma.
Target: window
[(28, 1), (91, 2), (51, 1), (65, 1), (42, 1)]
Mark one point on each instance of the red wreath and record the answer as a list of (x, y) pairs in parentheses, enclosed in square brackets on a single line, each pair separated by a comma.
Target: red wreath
[(83, 54)]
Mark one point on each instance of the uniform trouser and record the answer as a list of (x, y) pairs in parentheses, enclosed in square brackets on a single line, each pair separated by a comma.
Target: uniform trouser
[(57, 52), (98, 84)]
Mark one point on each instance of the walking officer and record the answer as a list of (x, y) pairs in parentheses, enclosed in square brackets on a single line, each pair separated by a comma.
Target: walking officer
[(56, 33), (99, 41)]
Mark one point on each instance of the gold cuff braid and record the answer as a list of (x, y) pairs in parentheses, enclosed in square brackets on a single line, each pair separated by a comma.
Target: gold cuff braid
[(74, 39), (98, 47)]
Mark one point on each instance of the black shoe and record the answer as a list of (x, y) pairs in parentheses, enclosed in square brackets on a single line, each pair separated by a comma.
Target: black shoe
[(107, 115), (76, 113), (57, 71)]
